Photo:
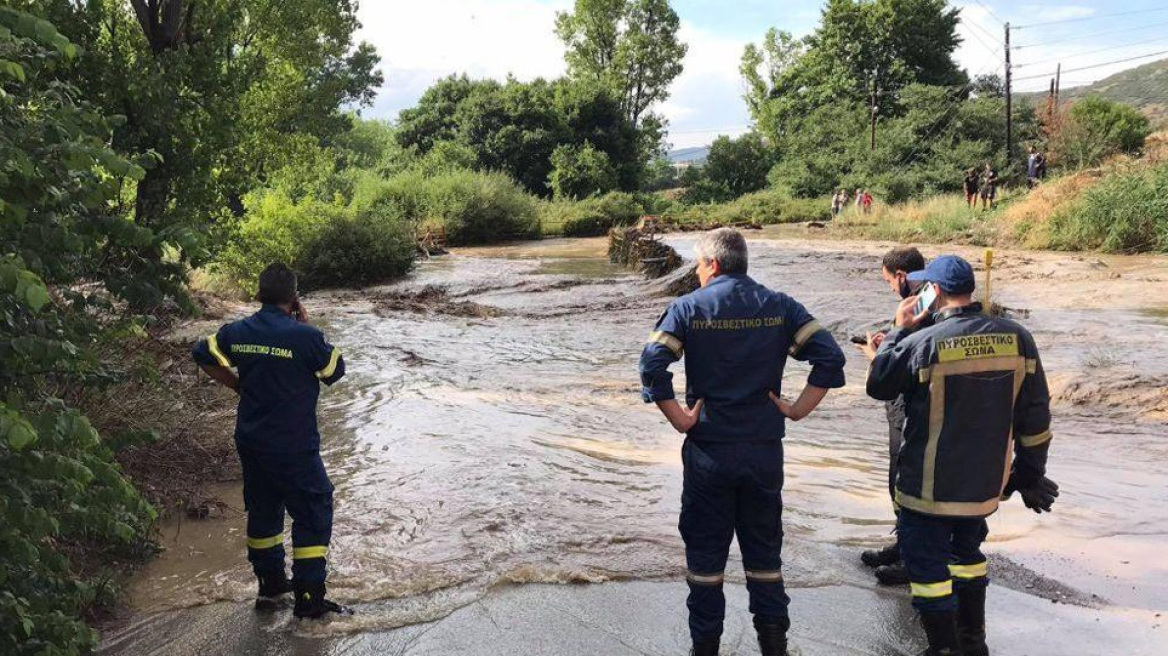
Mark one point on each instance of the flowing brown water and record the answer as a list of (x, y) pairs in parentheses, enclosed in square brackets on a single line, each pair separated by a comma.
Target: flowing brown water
[(473, 447)]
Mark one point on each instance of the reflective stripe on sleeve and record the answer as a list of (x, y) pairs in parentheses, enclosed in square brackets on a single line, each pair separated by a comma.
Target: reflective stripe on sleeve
[(980, 570), (768, 576), (1035, 440), (668, 341), (932, 590), (705, 579), (213, 344), (265, 543), (302, 553), (803, 335), (331, 367), (1031, 366)]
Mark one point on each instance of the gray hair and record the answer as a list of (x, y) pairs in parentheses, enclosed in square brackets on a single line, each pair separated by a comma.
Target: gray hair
[(726, 246)]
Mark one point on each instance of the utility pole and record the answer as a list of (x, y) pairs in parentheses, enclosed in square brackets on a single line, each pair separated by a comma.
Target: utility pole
[(1058, 74), (1009, 105)]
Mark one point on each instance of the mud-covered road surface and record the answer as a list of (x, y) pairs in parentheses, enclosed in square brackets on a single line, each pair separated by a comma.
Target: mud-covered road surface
[(490, 449)]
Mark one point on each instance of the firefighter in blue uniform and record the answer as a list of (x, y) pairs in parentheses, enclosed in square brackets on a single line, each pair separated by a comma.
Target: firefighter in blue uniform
[(975, 398), (736, 336), (281, 362)]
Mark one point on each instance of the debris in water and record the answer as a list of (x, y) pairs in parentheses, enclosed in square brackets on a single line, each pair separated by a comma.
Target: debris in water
[(430, 299), (641, 249)]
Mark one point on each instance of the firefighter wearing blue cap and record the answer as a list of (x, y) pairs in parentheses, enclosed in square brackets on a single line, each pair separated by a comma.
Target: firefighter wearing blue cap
[(736, 336), (976, 399), (281, 363)]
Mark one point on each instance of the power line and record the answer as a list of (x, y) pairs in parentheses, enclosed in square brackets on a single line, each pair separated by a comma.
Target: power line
[(1090, 18), (1087, 68), (1092, 52), (990, 12), (1091, 36), (994, 51)]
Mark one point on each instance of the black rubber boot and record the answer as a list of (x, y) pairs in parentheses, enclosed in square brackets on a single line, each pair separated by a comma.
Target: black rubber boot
[(971, 620), (889, 555), (894, 574), (941, 628), (312, 604), (272, 587), (772, 637), (706, 647)]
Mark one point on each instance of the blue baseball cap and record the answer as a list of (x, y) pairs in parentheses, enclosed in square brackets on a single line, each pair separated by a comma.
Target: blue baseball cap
[(949, 272)]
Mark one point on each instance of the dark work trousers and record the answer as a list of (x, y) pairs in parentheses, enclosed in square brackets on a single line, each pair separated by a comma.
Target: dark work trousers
[(894, 410), (732, 488), (298, 483), (941, 555)]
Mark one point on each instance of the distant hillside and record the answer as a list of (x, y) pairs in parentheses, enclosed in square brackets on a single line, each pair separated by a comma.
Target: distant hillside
[(1144, 87), (696, 155)]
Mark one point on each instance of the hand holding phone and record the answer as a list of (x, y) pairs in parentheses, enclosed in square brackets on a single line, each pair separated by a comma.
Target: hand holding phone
[(926, 298), (298, 311)]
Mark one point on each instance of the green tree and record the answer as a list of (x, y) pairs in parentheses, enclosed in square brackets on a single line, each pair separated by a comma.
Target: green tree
[(226, 92), (580, 171), (516, 126), (61, 492), (628, 46), (733, 168), (864, 52)]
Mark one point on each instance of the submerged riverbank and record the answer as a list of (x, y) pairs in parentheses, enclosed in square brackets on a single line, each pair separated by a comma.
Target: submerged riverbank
[(491, 433)]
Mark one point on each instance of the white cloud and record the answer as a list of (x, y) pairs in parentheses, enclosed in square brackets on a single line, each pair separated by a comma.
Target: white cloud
[(706, 99), (421, 42)]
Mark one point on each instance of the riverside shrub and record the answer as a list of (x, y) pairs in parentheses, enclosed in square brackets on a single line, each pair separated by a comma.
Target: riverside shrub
[(590, 217), (329, 244), (472, 207), (1125, 212)]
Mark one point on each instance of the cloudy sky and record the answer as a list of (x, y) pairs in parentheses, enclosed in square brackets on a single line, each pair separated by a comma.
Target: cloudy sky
[(422, 41)]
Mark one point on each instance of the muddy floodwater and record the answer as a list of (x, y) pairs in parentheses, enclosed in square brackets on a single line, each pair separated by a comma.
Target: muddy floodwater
[(490, 432)]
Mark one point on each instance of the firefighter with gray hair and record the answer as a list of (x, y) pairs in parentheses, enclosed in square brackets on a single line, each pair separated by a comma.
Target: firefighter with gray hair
[(736, 336)]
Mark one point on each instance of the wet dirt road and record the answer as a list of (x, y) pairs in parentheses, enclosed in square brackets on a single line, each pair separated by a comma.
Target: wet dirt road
[(490, 434)]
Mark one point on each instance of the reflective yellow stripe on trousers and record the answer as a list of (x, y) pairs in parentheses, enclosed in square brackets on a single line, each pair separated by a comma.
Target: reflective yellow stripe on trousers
[(969, 571), (265, 543), (301, 553), (932, 590)]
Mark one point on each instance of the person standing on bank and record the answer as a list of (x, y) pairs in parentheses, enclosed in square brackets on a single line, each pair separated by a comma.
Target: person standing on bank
[(898, 263), (281, 362), (976, 396), (736, 336)]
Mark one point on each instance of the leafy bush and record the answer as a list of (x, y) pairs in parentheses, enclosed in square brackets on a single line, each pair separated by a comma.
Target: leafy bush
[(1126, 212), (328, 244), (590, 217), (1095, 128), (359, 249), (473, 208), (480, 208)]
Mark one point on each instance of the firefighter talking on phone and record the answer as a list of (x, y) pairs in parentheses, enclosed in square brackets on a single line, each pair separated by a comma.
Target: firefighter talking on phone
[(976, 399), (281, 363)]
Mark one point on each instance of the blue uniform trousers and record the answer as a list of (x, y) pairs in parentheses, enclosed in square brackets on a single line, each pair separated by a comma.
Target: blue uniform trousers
[(941, 555), (732, 487), (296, 483)]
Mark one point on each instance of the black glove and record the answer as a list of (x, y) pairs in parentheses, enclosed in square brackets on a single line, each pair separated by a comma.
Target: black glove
[(1039, 496)]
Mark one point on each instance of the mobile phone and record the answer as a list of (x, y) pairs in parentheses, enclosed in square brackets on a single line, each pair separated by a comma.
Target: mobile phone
[(925, 298), (860, 339)]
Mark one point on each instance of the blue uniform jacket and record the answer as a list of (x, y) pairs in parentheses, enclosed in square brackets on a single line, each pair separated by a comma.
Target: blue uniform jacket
[(736, 336), (975, 396), (281, 364)]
